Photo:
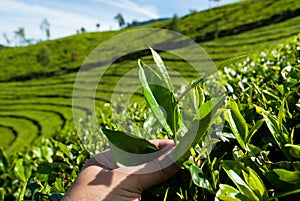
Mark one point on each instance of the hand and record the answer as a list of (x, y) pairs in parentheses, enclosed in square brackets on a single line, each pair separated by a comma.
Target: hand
[(101, 179)]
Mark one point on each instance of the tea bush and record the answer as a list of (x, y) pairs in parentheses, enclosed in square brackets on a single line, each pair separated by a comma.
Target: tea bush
[(256, 156)]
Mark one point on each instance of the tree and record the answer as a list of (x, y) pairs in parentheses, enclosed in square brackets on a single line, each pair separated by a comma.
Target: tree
[(98, 25), (134, 23), (120, 20), (174, 24), (82, 29), (6, 38), (211, 1), (20, 36), (45, 27)]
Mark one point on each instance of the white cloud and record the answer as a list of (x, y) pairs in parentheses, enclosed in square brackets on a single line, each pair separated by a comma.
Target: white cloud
[(147, 11), (66, 17), (14, 14)]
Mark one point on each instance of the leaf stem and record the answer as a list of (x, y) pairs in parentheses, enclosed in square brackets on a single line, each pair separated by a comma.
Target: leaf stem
[(189, 88)]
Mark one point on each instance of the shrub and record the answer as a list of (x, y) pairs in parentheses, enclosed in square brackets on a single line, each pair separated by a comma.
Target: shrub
[(256, 158)]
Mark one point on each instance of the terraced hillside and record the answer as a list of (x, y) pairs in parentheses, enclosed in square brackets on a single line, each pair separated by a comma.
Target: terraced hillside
[(36, 97)]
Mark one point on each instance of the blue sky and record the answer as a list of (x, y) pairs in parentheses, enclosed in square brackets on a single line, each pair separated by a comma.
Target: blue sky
[(67, 16)]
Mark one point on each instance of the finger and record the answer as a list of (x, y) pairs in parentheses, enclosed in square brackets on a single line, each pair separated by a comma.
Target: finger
[(154, 172), (150, 179), (163, 143)]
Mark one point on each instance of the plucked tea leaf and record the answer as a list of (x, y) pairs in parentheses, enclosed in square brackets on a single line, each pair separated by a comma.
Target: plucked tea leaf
[(151, 100), (129, 143), (162, 69)]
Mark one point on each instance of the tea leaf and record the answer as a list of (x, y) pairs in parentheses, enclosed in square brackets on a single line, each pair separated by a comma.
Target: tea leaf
[(229, 193), (254, 129), (166, 100), (129, 143), (237, 123), (199, 179), (279, 136), (162, 69), (208, 106), (227, 62), (152, 76), (195, 133), (22, 170), (284, 179), (151, 100), (294, 150), (256, 184), (193, 85), (234, 171)]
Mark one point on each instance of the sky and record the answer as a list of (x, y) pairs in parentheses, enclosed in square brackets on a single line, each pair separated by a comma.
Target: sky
[(67, 16)]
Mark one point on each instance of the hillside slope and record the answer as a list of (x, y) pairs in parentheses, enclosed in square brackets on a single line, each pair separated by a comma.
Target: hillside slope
[(37, 81)]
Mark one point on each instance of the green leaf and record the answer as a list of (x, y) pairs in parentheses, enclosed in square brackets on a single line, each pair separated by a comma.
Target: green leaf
[(256, 184), (128, 150), (193, 85), (229, 193), (152, 102), (59, 184), (271, 95), (284, 179), (47, 153), (234, 171), (278, 134), (166, 194), (237, 153), (195, 133), (22, 171), (3, 161), (167, 101), (64, 149), (237, 123), (129, 143), (281, 114), (152, 76), (162, 69), (199, 98), (227, 62), (207, 107), (199, 178), (294, 150), (255, 128)]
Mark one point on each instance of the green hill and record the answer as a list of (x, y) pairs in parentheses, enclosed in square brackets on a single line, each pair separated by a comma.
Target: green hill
[(36, 82)]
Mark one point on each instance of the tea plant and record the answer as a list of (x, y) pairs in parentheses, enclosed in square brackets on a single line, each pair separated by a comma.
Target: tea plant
[(255, 158), (260, 131)]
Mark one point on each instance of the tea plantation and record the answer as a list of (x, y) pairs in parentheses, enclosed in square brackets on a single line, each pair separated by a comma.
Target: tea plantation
[(41, 153)]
